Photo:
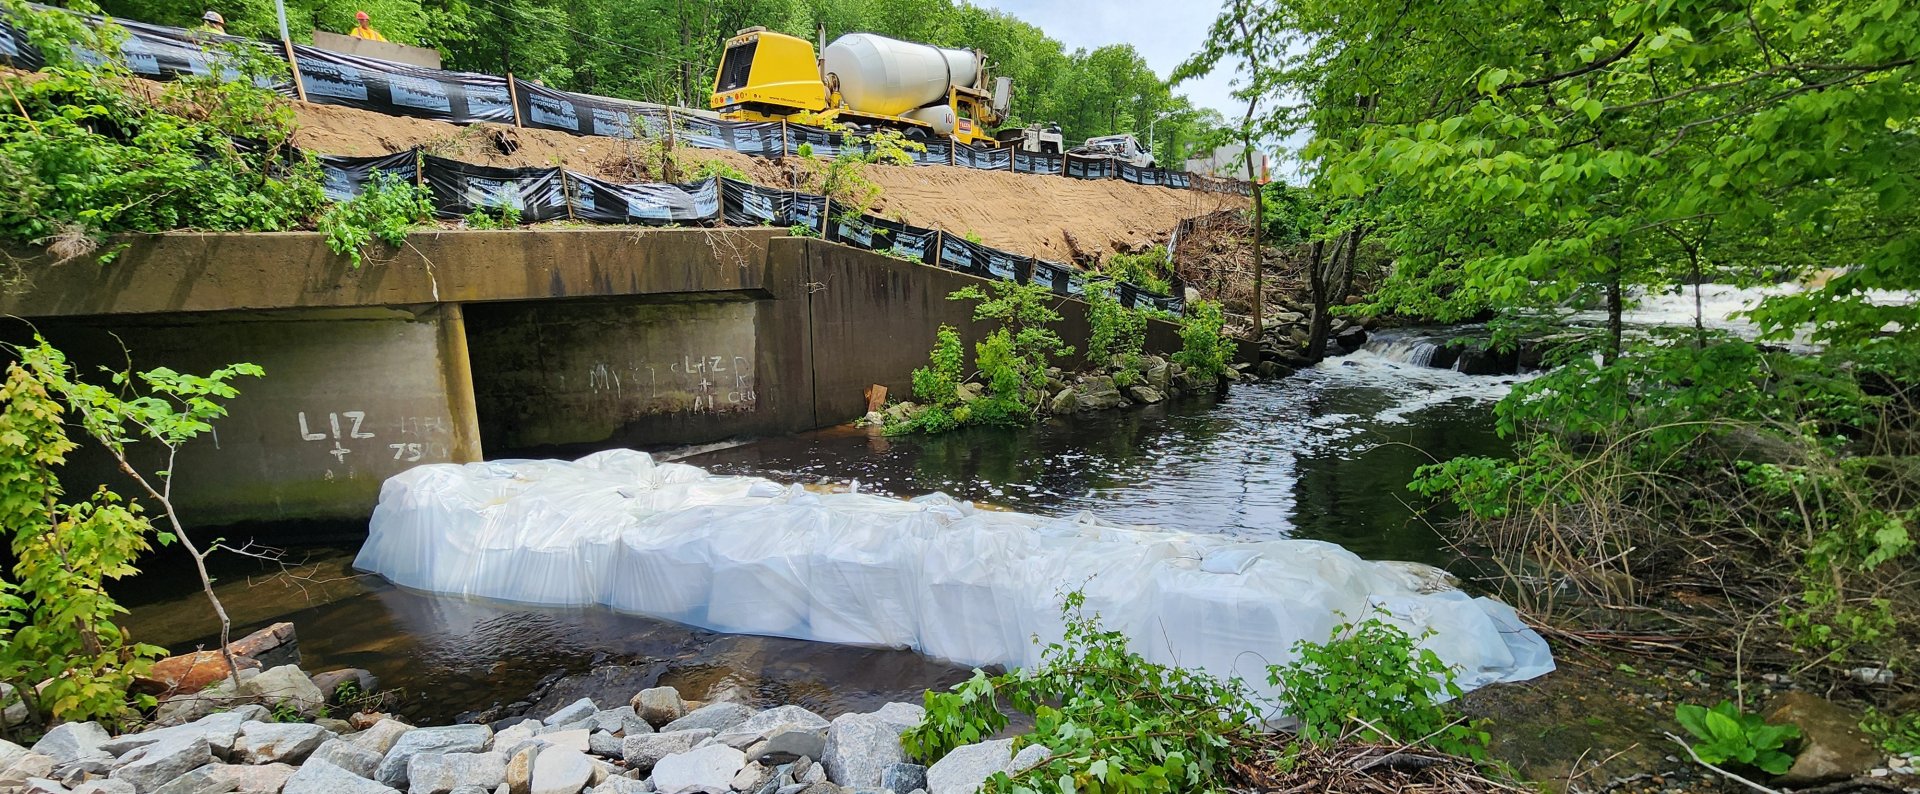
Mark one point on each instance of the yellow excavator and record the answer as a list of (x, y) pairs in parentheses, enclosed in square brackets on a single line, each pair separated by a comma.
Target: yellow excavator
[(863, 80)]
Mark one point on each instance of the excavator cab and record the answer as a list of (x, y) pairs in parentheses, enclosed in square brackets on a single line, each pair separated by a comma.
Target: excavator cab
[(766, 76)]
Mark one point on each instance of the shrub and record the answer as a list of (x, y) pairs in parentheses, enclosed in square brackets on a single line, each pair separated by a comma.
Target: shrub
[(386, 210), (1113, 330), (1148, 269), (499, 216), (1205, 349), (1371, 682), (1728, 735), (938, 383)]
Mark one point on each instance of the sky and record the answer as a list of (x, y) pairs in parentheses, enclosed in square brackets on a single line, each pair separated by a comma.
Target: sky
[(1165, 32)]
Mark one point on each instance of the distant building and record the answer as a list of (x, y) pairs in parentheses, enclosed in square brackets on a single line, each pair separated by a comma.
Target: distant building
[(1228, 162)]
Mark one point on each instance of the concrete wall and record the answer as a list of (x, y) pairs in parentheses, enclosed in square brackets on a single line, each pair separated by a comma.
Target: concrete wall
[(386, 51), (508, 343), (349, 398)]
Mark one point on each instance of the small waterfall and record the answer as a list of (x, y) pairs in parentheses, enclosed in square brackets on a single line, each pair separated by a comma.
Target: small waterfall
[(1414, 350)]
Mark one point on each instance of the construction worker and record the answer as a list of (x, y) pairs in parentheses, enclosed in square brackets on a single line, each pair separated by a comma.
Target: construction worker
[(212, 22), (362, 30)]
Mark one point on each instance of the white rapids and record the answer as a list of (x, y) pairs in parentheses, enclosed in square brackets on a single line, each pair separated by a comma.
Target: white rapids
[(974, 586)]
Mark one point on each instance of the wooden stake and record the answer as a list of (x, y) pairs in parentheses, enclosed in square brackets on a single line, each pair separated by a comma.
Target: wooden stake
[(513, 100), (299, 88)]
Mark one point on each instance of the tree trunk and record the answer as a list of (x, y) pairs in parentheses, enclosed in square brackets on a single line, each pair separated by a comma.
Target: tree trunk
[(1616, 304), (1322, 276)]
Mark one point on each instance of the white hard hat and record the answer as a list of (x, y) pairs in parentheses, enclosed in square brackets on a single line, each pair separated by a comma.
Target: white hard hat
[(214, 17)]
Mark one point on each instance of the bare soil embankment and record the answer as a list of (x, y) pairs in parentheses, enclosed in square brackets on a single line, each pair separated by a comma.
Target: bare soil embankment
[(1045, 216)]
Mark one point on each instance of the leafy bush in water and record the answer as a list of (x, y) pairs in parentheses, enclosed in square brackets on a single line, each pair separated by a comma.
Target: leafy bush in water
[(938, 383), (1371, 682), (87, 151), (386, 210), (1728, 735), (1205, 349), (1113, 330)]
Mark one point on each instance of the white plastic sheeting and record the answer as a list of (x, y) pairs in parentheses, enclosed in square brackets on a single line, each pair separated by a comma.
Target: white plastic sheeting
[(747, 555)]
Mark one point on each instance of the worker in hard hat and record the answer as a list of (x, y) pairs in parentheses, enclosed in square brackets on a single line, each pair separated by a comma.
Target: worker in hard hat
[(212, 22), (363, 30)]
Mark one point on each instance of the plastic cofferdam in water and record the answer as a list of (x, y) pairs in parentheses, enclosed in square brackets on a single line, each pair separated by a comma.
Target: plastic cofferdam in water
[(747, 555)]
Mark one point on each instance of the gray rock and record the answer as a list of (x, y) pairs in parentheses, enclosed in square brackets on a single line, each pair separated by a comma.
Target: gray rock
[(903, 778), (382, 735), (616, 719), (219, 730), (440, 773), (966, 768), (74, 773), (104, 786), (561, 771), (902, 715), (27, 765), (659, 705), (576, 739), (345, 754), (714, 717), (209, 779), (703, 770), (334, 726), (257, 779), (448, 739), (286, 685), (278, 742), (519, 775), (815, 773), (767, 723), (573, 712), (643, 751), (1029, 757), (10, 752), (15, 712), (860, 746), (1065, 401), (623, 785), (787, 746), (1142, 393), (319, 777), (73, 741), (822, 787), (751, 777), (192, 706), (1832, 746), (329, 683), (41, 785), (512, 735), (150, 767), (792, 788), (604, 744)]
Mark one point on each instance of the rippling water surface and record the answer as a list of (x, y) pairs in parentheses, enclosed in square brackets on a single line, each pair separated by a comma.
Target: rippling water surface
[(1323, 454)]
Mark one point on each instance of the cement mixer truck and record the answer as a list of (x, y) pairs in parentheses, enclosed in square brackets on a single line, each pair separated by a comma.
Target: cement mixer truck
[(863, 80)]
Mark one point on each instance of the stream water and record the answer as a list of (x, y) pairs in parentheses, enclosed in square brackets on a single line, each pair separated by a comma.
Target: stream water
[(1324, 453)]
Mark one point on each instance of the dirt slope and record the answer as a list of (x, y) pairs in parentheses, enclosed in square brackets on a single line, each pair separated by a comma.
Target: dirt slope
[(1047, 216)]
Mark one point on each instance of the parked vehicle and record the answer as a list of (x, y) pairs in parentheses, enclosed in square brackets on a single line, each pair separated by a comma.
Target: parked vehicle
[(1124, 147)]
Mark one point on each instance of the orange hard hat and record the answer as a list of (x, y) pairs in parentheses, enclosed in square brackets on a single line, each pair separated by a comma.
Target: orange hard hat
[(360, 16)]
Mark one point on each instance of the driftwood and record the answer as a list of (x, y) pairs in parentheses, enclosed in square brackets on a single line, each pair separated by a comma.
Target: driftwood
[(1288, 767)]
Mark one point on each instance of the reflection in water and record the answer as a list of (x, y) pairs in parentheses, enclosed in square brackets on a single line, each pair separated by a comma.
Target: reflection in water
[(1323, 454)]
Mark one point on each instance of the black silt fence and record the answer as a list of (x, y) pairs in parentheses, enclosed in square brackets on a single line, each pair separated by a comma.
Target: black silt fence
[(538, 194), (342, 178), (397, 89)]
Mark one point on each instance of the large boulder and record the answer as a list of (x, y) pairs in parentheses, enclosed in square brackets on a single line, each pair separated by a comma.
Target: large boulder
[(189, 673), (767, 723), (285, 686), (1097, 393), (714, 717), (558, 770), (381, 736), (441, 773), (319, 777), (964, 769), (278, 742), (659, 705), (704, 770), (860, 747), (255, 779), (25, 767), (903, 778), (351, 757), (10, 752), (618, 719), (572, 738), (72, 741), (449, 739), (1145, 394), (188, 706), (220, 731), (208, 779), (152, 766), (1832, 746), (1065, 401), (576, 711), (103, 786), (643, 751)]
